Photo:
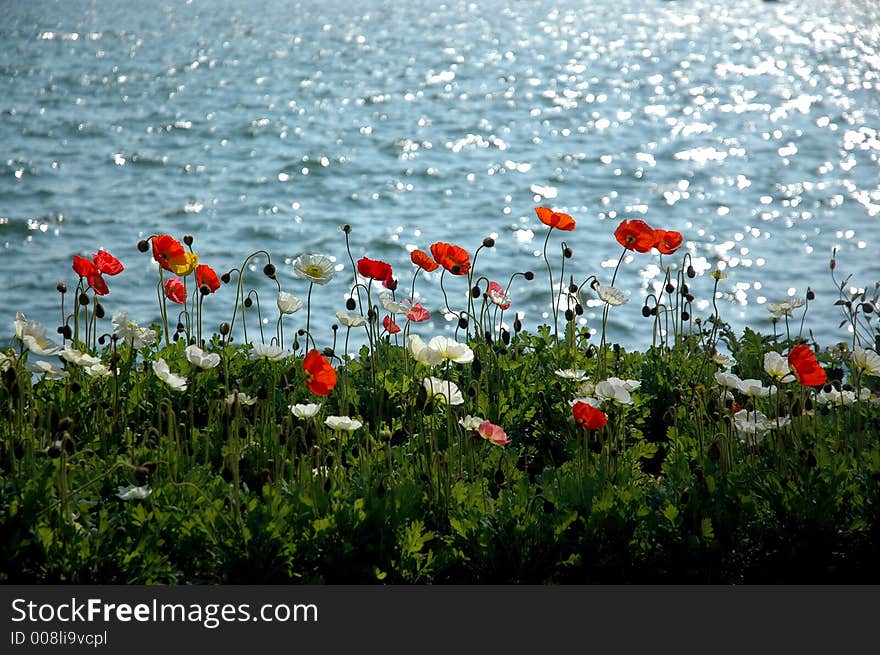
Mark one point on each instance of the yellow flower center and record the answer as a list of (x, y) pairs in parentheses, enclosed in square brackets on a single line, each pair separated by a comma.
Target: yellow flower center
[(314, 270)]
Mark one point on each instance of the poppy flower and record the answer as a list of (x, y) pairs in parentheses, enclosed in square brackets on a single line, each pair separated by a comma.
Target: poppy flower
[(493, 433), (803, 361), (555, 219), (107, 263), (175, 290), (374, 269), (88, 270), (320, 374), (587, 416), (421, 259), (497, 295), (635, 235), (418, 314), (453, 258), (168, 251), (389, 324), (667, 241), (318, 269), (207, 277)]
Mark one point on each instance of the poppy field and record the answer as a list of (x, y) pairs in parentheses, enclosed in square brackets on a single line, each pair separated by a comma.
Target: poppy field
[(251, 452)]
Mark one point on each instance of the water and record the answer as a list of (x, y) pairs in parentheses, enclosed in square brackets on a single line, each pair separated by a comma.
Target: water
[(749, 126)]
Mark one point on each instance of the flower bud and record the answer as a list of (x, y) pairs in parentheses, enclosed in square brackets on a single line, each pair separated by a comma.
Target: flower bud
[(83, 299), (867, 307), (346, 228), (646, 311), (489, 242), (567, 252), (224, 329), (685, 316), (529, 276), (350, 304), (517, 325), (61, 287), (99, 310), (188, 239), (225, 278), (811, 295), (248, 302), (569, 315), (669, 287), (463, 323), (691, 273), (328, 352), (476, 292), (269, 271), (505, 337), (143, 246), (579, 309)]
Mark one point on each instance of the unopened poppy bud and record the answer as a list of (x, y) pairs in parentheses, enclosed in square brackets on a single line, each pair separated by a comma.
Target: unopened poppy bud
[(102, 339), (188, 239), (180, 327), (248, 302), (334, 327), (296, 344), (669, 287), (685, 316), (517, 325), (463, 323), (489, 242), (301, 332), (99, 310), (646, 311), (67, 333), (328, 352), (60, 329), (505, 337), (225, 278), (569, 315), (390, 284), (224, 329), (204, 289), (61, 287), (529, 275), (350, 304), (175, 337), (691, 273), (371, 316), (269, 270), (811, 295), (143, 246), (653, 311), (488, 335), (567, 252), (867, 307), (832, 264), (476, 292), (572, 288), (75, 386), (83, 299), (579, 309), (689, 297), (346, 228), (685, 290)]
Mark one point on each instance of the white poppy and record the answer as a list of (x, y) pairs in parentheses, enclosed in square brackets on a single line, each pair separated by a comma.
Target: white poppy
[(611, 295), (268, 352), (240, 398), (288, 303), (351, 319), (470, 422), (577, 375), (342, 423), (443, 390), (201, 359), (866, 360), (47, 369), (131, 333), (776, 366), (74, 356), (304, 410), (133, 492), (176, 382), (314, 268)]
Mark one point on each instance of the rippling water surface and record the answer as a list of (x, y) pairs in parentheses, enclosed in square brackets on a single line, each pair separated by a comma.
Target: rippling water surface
[(751, 127)]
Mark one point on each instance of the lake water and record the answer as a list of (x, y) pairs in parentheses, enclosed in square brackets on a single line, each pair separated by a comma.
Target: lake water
[(749, 126)]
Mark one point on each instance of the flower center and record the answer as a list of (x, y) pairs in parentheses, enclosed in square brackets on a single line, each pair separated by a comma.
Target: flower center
[(314, 270)]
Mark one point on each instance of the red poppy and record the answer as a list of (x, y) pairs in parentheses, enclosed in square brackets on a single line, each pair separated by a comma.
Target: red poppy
[(207, 277), (418, 314), (374, 268), (635, 235), (667, 241), (90, 271), (803, 360), (168, 251), (389, 324), (107, 263), (421, 259), (320, 374), (587, 416), (555, 219), (453, 258), (175, 290)]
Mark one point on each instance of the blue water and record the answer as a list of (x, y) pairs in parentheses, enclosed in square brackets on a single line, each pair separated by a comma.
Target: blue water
[(749, 126)]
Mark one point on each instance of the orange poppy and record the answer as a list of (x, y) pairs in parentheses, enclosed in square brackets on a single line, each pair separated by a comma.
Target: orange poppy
[(555, 219), (421, 259), (803, 360), (207, 277), (453, 258), (587, 416), (320, 374), (667, 241), (169, 252), (175, 290), (635, 235)]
